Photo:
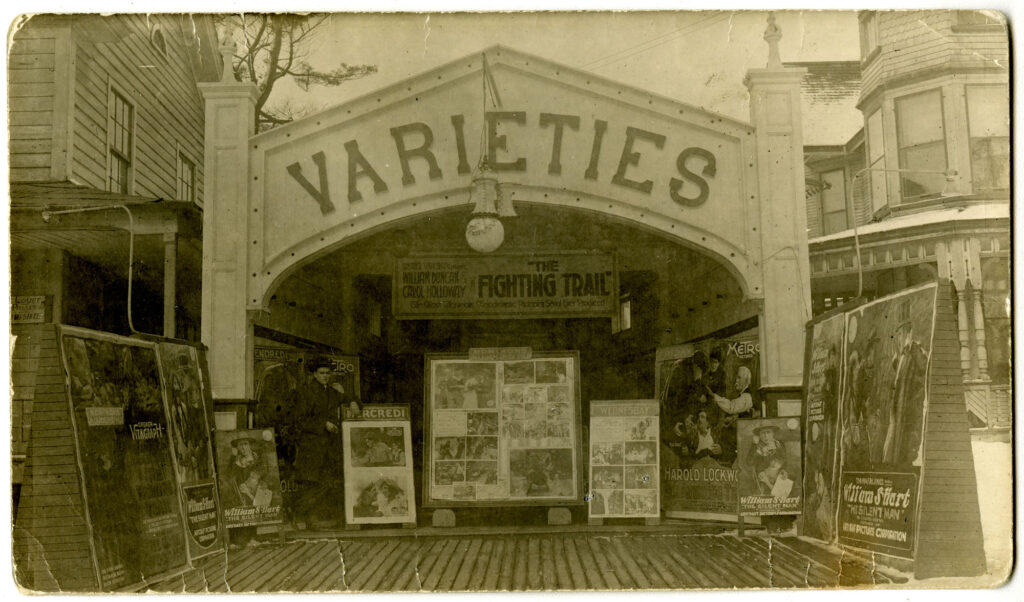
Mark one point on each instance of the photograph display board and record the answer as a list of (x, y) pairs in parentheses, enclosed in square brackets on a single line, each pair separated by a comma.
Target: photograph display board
[(191, 445), (884, 404), (378, 465), (501, 432), (124, 456), (821, 427), (770, 479), (250, 487), (624, 459)]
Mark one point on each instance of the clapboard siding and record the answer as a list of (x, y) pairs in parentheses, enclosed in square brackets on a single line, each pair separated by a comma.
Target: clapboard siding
[(914, 42), (51, 545), (36, 65), (950, 537), (169, 111)]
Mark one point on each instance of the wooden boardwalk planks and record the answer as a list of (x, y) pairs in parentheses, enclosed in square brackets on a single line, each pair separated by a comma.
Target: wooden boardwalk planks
[(528, 562)]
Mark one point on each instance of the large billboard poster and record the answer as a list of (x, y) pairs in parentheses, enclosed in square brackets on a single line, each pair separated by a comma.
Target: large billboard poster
[(770, 480), (703, 389), (191, 445), (250, 487), (624, 471), (502, 431), (821, 427), (884, 403), (378, 465), (124, 454)]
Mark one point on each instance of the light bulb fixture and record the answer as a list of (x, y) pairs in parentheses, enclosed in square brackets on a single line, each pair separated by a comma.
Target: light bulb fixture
[(485, 232)]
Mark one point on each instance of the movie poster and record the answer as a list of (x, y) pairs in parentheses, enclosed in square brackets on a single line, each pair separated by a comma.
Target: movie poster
[(378, 465), (821, 428), (883, 408), (502, 430), (250, 486), (770, 478), (624, 471), (191, 445), (703, 389), (124, 453)]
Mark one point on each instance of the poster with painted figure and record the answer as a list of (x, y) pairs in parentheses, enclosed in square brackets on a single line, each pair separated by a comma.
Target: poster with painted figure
[(123, 444), (888, 347), (770, 472), (250, 484), (821, 425)]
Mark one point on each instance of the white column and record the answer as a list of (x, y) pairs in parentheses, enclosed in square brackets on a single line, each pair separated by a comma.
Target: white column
[(230, 107), (775, 113)]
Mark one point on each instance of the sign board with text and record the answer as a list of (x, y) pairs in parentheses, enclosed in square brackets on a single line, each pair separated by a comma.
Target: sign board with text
[(379, 484), (570, 285)]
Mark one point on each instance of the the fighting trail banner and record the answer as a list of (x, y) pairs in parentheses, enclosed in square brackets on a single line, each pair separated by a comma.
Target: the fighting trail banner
[(506, 286)]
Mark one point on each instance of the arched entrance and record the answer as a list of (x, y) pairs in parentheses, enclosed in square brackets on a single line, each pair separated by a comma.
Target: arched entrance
[(575, 154)]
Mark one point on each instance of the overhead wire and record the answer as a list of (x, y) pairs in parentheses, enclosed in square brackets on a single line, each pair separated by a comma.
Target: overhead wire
[(654, 42)]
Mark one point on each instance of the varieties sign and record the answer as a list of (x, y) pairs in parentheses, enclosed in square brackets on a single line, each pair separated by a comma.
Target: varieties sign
[(378, 465), (509, 286), (878, 511), (624, 459)]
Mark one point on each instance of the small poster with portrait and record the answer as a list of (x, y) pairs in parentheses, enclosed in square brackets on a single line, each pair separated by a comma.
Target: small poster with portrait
[(624, 459), (250, 486), (379, 483), (502, 427), (770, 475)]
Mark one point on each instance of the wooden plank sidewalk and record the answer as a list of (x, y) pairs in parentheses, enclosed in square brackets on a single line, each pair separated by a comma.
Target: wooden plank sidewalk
[(527, 562)]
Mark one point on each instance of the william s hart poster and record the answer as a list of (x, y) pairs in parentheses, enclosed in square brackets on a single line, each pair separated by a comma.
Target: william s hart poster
[(250, 487), (769, 461), (884, 404)]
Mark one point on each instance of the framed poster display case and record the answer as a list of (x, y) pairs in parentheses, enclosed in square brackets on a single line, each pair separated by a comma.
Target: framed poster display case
[(502, 429)]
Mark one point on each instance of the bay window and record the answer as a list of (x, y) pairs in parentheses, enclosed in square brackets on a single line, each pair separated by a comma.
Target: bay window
[(921, 139), (988, 119)]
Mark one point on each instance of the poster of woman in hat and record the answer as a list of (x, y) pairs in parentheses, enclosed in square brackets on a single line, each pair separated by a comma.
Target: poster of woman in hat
[(770, 479)]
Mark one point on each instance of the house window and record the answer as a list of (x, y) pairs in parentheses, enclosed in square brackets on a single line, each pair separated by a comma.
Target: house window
[(121, 121), (833, 201), (186, 178), (921, 138), (988, 117), (975, 19), (869, 35), (876, 162)]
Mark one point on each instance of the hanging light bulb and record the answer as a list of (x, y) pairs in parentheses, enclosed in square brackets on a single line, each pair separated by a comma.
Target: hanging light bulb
[(485, 232)]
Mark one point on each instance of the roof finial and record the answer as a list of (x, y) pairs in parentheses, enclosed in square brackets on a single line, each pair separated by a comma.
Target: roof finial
[(227, 55), (772, 35)]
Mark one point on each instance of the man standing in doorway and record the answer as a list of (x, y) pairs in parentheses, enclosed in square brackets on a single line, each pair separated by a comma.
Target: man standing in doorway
[(318, 454)]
